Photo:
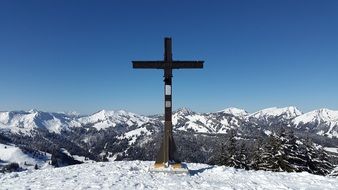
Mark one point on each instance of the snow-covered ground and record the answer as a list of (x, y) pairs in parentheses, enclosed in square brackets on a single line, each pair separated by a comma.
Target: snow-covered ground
[(135, 175), (331, 149), (12, 153)]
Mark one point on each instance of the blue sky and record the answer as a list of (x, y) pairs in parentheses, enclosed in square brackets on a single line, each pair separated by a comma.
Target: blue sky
[(76, 55)]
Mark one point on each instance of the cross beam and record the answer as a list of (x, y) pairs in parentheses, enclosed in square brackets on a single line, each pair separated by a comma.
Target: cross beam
[(167, 154), (162, 64)]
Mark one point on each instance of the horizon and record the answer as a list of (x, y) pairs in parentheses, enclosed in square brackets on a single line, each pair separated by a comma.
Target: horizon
[(76, 56), (74, 112)]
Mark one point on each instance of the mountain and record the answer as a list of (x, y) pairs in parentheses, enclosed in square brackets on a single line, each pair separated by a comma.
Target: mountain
[(135, 175), (273, 116), (286, 113), (235, 111), (322, 122), (105, 119), (27, 121), (218, 122)]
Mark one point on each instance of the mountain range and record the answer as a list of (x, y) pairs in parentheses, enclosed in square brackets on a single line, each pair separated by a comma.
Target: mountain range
[(44, 139), (322, 122)]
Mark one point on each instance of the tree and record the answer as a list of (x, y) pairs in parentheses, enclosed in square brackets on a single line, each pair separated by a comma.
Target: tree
[(256, 154), (228, 151), (241, 157), (270, 153)]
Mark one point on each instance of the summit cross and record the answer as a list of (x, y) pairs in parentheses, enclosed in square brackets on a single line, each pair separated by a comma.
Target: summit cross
[(167, 155)]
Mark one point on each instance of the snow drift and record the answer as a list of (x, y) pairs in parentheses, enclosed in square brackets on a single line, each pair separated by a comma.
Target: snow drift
[(135, 175)]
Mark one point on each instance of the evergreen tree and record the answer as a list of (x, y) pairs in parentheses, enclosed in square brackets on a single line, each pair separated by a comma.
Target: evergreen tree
[(228, 151), (241, 157), (287, 150), (321, 162), (256, 154), (270, 154)]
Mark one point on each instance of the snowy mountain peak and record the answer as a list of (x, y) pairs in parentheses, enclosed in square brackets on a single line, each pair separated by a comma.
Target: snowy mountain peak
[(33, 111), (25, 122), (320, 115), (100, 115), (106, 115), (183, 119), (235, 111), (4, 117), (327, 114), (183, 111), (286, 112), (72, 113), (104, 119)]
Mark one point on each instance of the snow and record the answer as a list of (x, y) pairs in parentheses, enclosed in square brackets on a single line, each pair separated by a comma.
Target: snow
[(183, 111), (183, 120), (321, 115), (82, 158), (4, 117), (104, 119), (331, 149), (286, 112), (326, 117), (75, 157), (134, 134), (18, 121), (267, 132), (334, 172), (180, 114), (65, 151), (197, 123), (235, 111), (25, 122), (135, 175), (224, 122), (53, 125), (11, 153)]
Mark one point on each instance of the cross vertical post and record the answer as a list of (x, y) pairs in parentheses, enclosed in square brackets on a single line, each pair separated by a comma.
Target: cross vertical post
[(167, 104), (167, 154)]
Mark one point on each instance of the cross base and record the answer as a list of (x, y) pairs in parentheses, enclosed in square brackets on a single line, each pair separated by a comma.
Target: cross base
[(176, 168)]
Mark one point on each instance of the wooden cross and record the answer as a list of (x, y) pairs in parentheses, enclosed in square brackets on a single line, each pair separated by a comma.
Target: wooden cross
[(167, 154)]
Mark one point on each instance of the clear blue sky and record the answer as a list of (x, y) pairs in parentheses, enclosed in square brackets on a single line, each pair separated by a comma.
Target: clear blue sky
[(76, 55)]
